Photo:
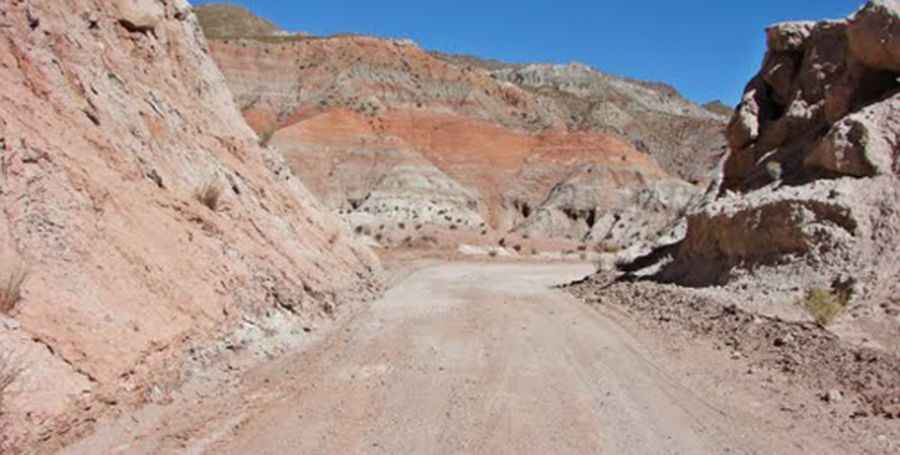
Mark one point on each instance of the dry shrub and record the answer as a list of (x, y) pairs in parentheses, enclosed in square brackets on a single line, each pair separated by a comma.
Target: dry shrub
[(266, 137), (11, 290), (824, 305), (210, 193)]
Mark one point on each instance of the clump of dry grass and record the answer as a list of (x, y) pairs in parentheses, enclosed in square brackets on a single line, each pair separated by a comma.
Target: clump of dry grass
[(266, 137), (210, 193), (11, 288), (825, 305), (774, 169)]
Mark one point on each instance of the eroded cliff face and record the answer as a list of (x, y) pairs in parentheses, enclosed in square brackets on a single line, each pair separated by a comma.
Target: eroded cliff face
[(386, 133), (112, 117), (684, 138), (810, 191)]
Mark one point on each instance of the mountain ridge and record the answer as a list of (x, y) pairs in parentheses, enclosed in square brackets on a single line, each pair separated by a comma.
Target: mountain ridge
[(407, 95)]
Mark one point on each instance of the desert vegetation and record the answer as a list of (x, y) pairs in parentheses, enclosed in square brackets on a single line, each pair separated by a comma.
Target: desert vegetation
[(11, 291), (210, 193), (825, 305), (266, 137)]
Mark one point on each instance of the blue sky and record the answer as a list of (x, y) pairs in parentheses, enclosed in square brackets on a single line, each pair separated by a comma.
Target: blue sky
[(706, 49)]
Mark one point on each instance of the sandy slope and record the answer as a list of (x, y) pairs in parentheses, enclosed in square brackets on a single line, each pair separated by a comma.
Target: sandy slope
[(471, 358)]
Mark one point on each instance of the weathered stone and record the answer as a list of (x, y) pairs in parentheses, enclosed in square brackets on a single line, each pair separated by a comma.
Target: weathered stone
[(745, 125), (788, 36), (874, 35), (865, 143), (139, 15)]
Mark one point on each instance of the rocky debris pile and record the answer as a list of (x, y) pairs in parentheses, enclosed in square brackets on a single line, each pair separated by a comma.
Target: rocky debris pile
[(414, 195), (809, 200), (610, 207), (862, 380), (147, 217)]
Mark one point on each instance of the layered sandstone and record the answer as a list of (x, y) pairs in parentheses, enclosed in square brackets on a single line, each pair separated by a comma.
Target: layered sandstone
[(112, 117), (388, 133), (683, 137)]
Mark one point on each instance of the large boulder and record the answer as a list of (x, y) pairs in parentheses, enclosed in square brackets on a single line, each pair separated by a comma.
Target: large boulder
[(139, 15), (874, 35), (864, 143)]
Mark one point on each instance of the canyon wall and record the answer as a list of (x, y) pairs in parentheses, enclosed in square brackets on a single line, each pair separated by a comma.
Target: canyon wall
[(385, 133), (141, 210)]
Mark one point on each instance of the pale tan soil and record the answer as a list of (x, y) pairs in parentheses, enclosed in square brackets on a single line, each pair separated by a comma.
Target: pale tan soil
[(477, 358)]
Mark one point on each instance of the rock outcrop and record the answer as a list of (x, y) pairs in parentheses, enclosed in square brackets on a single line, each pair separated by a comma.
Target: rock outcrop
[(359, 117), (608, 206), (810, 193), (683, 137), (113, 117)]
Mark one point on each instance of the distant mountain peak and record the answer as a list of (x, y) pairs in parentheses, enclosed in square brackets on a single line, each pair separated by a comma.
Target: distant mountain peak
[(225, 20), (718, 107)]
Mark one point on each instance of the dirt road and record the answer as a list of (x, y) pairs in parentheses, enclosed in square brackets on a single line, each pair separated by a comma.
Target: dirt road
[(461, 358)]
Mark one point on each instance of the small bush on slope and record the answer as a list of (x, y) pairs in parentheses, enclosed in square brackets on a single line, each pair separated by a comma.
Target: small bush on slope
[(824, 304), (11, 291), (210, 193)]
